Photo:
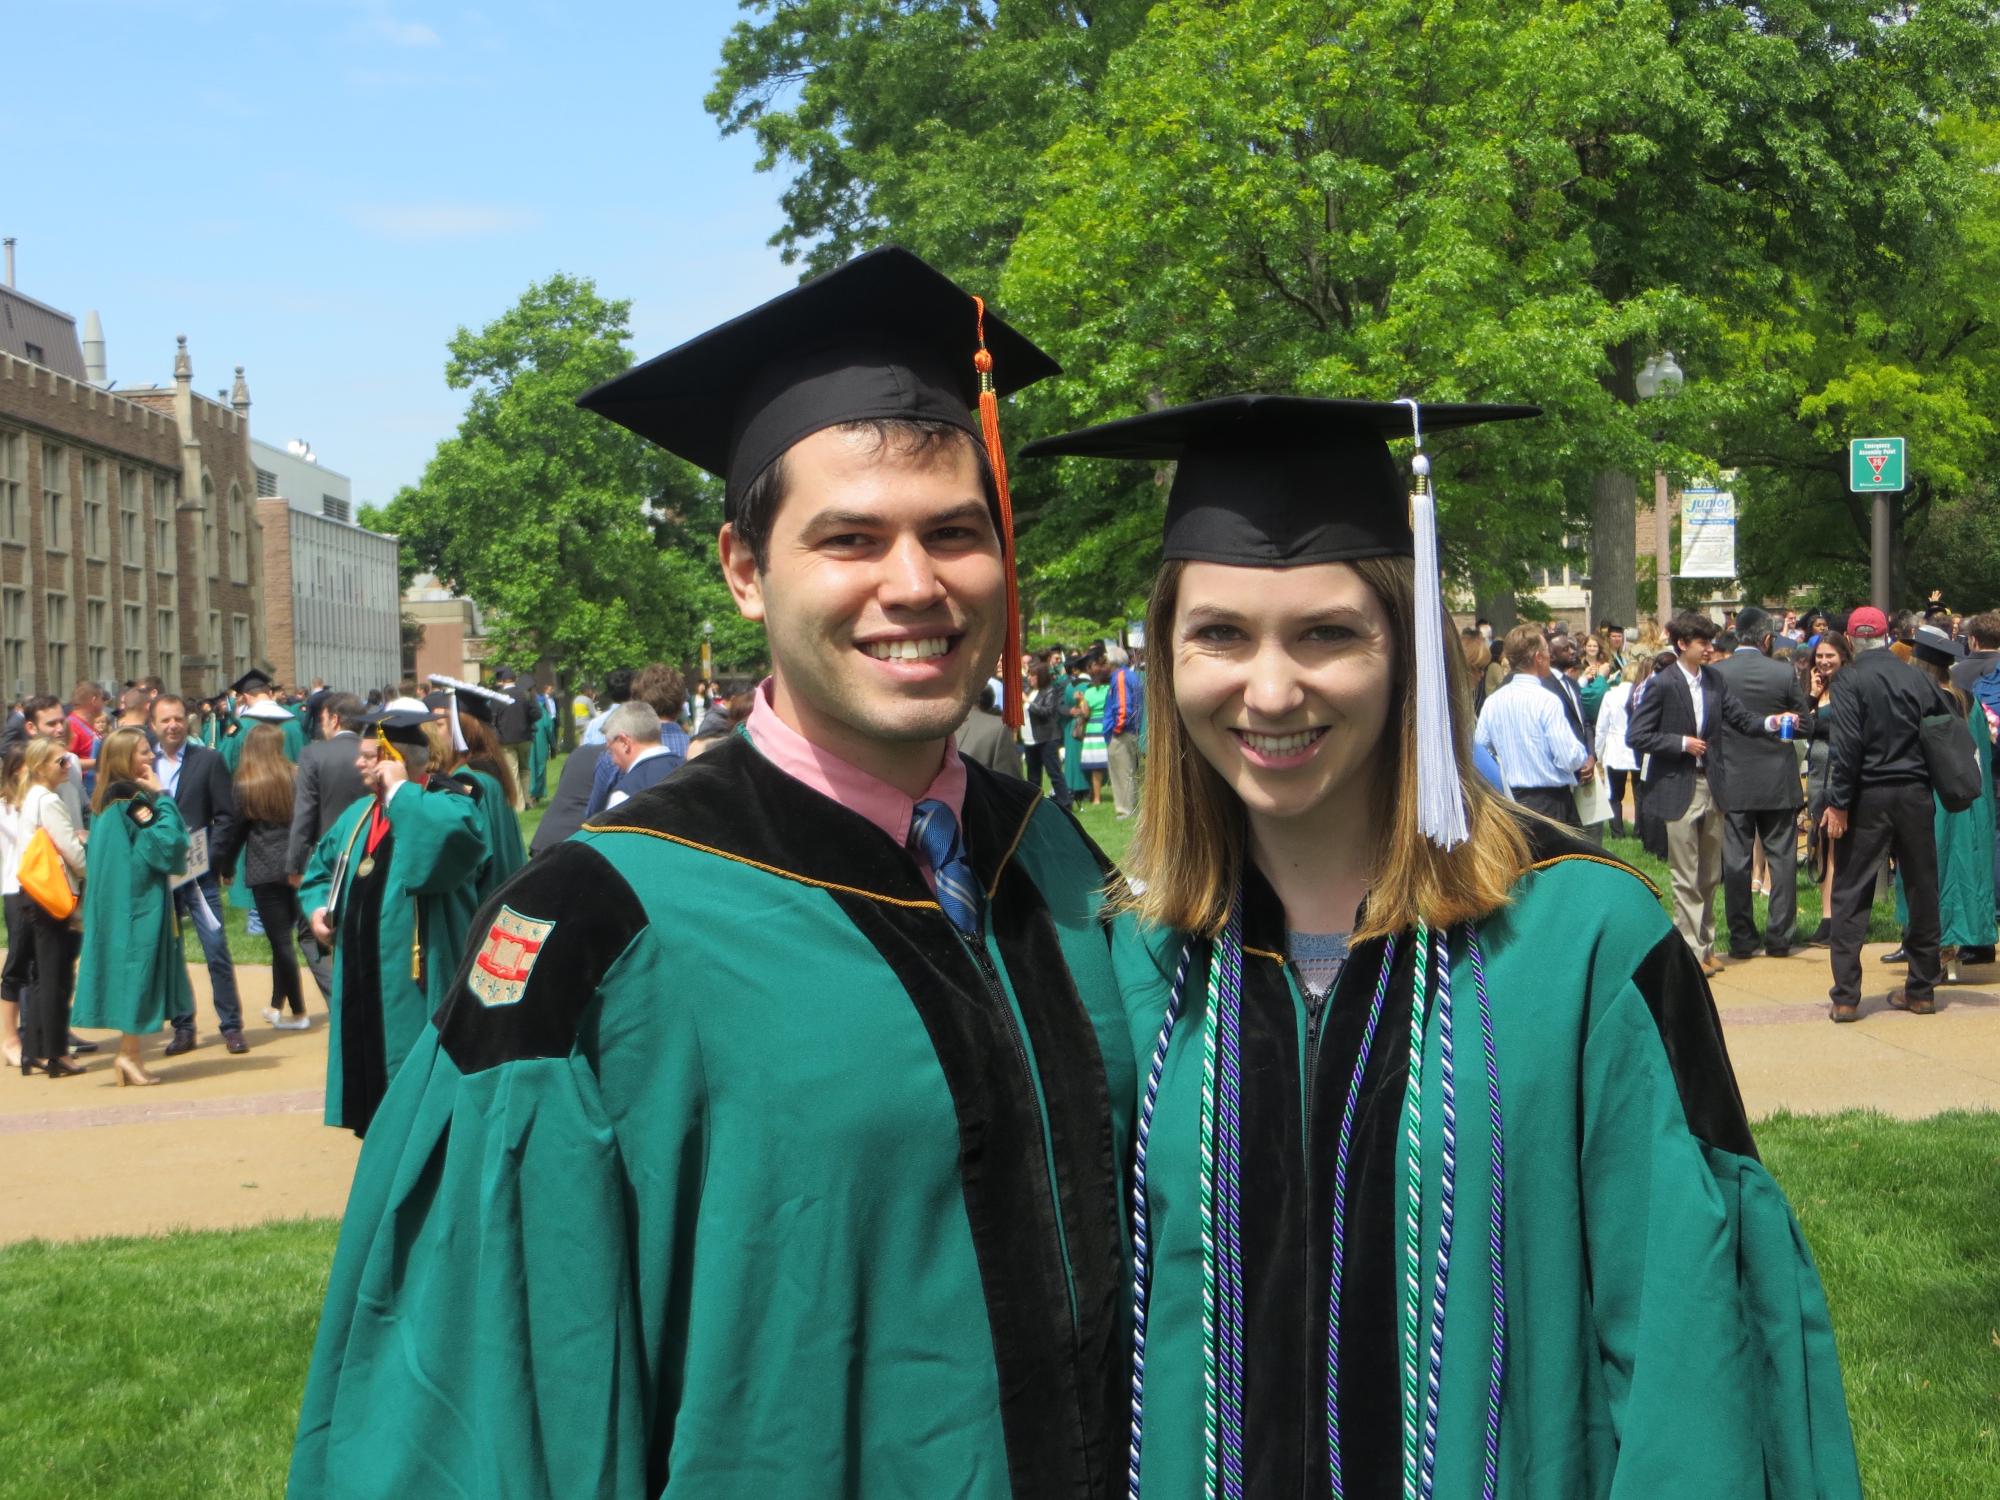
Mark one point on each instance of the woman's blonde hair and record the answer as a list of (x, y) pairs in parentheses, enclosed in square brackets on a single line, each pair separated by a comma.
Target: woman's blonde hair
[(41, 755), (117, 766), (1187, 852), (265, 781)]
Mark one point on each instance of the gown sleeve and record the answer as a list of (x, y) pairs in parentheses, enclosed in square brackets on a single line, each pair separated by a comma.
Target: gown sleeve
[(440, 837), (316, 885), (1715, 1342), (160, 842)]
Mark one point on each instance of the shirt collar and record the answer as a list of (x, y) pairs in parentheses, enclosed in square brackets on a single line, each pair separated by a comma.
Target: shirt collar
[(853, 788)]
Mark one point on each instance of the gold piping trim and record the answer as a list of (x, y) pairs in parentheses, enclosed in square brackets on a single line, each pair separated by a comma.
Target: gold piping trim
[(1008, 858), (1598, 859), (824, 885)]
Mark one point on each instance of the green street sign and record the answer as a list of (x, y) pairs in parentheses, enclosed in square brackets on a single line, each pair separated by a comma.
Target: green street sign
[(1876, 464)]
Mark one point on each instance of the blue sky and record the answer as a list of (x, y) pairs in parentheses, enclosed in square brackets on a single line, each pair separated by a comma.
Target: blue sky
[(323, 190)]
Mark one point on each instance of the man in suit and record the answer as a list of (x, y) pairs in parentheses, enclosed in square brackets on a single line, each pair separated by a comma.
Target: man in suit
[(195, 777), (1681, 716), (328, 784), (632, 743), (570, 801), (1765, 792), (1565, 661)]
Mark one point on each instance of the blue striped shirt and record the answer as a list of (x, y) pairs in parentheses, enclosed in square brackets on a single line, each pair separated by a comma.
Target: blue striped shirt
[(1523, 727)]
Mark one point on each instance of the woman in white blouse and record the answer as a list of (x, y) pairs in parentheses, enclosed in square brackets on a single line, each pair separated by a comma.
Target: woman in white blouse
[(1612, 752), (13, 839), (51, 941)]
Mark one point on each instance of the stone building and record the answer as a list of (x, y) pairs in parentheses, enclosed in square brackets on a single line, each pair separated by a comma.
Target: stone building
[(129, 541)]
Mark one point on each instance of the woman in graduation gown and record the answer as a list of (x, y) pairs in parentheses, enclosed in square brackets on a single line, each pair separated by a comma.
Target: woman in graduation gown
[(392, 886), (1964, 839), (481, 764), (131, 976), (1415, 1058)]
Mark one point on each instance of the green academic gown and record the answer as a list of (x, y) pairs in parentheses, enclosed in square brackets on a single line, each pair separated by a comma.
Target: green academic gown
[(505, 853), (731, 1169), (401, 916), (237, 731), (541, 749), (1663, 1329), (130, 976), (1964, 857)]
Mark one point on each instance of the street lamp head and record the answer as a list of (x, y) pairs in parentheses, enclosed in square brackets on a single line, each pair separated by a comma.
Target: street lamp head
[(707, 628), (1661, 375)]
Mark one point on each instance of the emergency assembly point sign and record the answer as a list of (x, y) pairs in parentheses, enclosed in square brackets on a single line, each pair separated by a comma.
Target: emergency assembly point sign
[(1876, 464)]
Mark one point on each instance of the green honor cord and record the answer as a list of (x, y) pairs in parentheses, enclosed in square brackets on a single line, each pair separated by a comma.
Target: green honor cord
[(1413, 1207)]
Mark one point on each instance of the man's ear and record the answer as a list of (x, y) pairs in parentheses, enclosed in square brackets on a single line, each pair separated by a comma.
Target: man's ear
[(739, 570)]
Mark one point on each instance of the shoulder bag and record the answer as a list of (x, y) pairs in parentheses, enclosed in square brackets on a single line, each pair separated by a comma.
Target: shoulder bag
[(44, 877)]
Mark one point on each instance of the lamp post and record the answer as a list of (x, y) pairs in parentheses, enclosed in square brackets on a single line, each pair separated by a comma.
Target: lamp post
[(1661, 375), (707, 630)]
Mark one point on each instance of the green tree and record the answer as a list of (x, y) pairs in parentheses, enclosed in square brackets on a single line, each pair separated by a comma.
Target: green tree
[(543, 512)]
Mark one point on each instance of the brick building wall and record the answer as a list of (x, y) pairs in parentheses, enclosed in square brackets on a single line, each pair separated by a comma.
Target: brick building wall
[(102, 525)]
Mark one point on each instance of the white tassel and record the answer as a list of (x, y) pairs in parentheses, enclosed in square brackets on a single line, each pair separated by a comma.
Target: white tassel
[(1440, 797), (457, 734)]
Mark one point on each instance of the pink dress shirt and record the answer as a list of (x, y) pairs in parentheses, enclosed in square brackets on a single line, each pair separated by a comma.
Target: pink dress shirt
[(853, 788)]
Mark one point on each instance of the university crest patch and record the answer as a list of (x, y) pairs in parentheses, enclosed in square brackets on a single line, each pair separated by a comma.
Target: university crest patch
[(499, 973)]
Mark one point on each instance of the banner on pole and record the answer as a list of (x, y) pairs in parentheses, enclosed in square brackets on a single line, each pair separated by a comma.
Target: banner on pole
[(1708, 532)]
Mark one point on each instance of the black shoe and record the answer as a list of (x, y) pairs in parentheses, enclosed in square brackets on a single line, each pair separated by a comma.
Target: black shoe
[(61, 1067), (1896, 956), (183, 1041), (1975, 955), (232, 1038), (78, 1047), (1777, 953), (1742, 953), (1822, 935)]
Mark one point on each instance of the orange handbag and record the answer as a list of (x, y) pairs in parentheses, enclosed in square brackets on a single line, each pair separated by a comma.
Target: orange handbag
[(44, 877)]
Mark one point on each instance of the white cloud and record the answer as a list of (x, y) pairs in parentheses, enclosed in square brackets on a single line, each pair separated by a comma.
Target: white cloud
[(403, 33), (440, 221)]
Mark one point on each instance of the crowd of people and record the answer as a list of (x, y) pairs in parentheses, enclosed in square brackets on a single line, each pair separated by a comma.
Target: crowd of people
[(1749, 749)]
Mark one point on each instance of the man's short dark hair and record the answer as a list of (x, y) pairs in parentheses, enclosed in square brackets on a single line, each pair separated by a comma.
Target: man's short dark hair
[(345, 708), (1753, 623), (751, 515), (1691, 625), (1606, 627), (1727, 641), (1470, 633), (1983, 630), (618, 684), (132, 701), (659, 687), (38, 705), (154, 708)]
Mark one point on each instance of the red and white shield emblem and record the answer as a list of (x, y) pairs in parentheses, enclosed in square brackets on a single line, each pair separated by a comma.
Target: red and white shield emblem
[(500, 971)]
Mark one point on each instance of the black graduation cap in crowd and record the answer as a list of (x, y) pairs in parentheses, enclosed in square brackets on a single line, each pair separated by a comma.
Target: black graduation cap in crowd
[(400, 721), (252, 681), (1278, 481), (1283, 481), (884, 336)]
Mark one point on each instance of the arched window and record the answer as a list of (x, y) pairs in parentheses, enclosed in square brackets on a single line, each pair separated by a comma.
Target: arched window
[(239, 536), (208, 567)]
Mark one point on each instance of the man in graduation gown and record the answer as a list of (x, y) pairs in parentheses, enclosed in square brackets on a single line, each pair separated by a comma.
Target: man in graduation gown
[(766, 1144), (392, 887), (255, 703)]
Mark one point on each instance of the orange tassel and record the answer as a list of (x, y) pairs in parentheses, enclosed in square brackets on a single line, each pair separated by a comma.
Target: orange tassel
[(1014, 707)]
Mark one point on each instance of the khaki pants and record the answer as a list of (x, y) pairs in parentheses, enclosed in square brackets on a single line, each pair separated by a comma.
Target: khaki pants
[(1694, 857), (518, 753), (1122, 751)]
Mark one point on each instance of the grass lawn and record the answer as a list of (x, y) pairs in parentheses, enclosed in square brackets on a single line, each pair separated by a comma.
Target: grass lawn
[(144, 1369)]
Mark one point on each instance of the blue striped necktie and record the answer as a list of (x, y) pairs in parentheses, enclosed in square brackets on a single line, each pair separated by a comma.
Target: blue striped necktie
[(935, 832)]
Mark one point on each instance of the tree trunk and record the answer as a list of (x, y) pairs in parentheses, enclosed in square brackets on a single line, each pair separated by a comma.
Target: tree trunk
[(1614, 517), (1500, 610)]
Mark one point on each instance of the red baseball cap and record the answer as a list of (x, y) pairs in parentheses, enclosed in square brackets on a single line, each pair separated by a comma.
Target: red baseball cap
[(1867, 621)]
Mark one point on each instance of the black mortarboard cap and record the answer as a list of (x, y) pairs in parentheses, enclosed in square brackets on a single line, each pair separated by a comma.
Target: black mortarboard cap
[(884, 336), (1278, 481), (252, 681), (401, 721)]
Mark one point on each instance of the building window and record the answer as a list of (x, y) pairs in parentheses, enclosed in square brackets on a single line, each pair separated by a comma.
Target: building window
[(13, 478), (267, 485), (169, 647), (336, 509), (14, 643), (34, 353), (165, 499), (239, 643), (97, 640), (213, 645), (134, 639), (96, 536), (55, 498), (239, 538), (131, 529), (207, 559), (60, 677)]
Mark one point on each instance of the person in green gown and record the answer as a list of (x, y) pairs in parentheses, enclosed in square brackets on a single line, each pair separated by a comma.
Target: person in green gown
[(1074, 681), (131, 976), (1443, 1184), (467, 747), (769, 1140), (257, 701), (541, 751), (391, 888), (1964, 839)]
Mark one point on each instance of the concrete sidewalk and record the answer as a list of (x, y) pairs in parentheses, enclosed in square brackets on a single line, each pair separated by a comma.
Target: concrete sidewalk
[(225, 1141)]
